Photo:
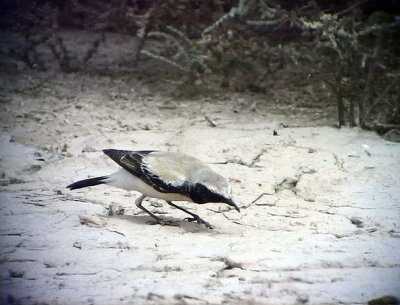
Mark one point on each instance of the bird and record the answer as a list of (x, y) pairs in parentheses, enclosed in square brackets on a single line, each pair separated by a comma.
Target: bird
[(165, 175)]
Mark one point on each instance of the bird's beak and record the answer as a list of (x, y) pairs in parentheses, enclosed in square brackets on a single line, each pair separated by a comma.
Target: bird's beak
[(232, 203)]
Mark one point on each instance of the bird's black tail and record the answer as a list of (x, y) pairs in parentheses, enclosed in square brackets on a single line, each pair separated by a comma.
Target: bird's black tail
[(87, 182)]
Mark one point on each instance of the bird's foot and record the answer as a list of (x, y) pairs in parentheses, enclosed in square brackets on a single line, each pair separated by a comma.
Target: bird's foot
[(199, 221), (159, 221)]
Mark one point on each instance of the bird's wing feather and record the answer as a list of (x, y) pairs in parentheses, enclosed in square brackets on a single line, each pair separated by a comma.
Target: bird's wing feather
[(135, 163)]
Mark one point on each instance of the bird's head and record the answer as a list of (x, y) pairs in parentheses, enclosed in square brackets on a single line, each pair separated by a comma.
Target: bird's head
[(213, 188)]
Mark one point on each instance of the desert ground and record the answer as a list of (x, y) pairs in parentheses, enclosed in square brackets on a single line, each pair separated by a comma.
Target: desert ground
[(319, 221)]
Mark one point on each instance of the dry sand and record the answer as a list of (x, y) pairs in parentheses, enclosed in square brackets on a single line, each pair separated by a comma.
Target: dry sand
[(320, 206)]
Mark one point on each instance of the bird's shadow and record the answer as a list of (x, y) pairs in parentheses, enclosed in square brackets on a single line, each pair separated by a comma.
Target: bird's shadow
[(190, 227)]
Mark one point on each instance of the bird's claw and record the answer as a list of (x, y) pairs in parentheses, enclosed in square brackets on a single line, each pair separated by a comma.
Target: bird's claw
[(199, 221), (162, 222)]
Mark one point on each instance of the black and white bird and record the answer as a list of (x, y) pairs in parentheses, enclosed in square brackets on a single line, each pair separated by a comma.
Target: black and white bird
[(165, 175)]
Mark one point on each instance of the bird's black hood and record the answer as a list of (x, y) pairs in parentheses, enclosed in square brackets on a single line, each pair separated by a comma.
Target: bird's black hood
[(199, 193)]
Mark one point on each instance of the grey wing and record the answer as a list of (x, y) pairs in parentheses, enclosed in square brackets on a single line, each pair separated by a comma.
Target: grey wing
[(133, 162), (129, 160)]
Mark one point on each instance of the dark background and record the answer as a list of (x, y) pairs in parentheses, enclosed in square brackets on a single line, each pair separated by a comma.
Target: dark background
[(346, 51)]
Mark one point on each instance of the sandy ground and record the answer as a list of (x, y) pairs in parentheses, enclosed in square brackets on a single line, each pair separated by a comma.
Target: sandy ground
[(320, 206)]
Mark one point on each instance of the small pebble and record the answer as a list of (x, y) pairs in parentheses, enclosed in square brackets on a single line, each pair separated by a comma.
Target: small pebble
[(116, 210), (302, 299), (16, 273), (357, 222)]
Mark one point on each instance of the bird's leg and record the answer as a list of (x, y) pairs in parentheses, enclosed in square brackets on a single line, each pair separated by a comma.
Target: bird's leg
[(158, 220), (194, 216)]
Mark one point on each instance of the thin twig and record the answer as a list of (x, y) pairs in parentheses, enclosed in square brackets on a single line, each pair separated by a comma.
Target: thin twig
[(259, 197), (94, 48), (339, 163), (212, 124), (257, 157), (286, 215), (378, 99), (178, 33), (113, 231), (351, 8), (164, 59), (255, 200)]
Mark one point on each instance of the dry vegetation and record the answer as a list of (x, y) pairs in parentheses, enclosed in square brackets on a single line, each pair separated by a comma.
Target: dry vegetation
[(350, 48)]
